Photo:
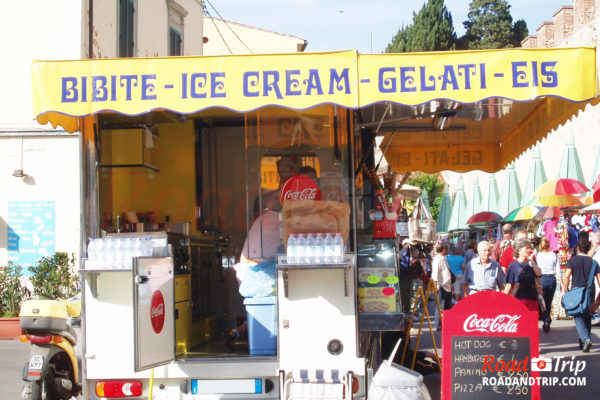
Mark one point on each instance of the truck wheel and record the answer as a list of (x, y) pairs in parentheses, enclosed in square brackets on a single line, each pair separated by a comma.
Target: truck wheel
[(42, 389)]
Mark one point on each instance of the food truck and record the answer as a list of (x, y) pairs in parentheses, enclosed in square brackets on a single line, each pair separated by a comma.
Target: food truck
[(191, 174)]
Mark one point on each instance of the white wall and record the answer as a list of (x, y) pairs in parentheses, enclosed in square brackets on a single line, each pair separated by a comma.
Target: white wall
[(31, 29), (37, 29), (151, 28), (52, 166)]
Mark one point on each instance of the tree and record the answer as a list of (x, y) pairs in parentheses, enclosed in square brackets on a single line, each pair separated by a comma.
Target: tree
[(431, 30), (489, 26), (435, 189)]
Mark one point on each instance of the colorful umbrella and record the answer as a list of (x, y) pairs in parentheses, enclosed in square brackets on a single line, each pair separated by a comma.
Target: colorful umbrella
[(596, 185), (522, 213), (560, 187), (593, 207), (559, 200), (483, 217), (596, 196), (550, 212)]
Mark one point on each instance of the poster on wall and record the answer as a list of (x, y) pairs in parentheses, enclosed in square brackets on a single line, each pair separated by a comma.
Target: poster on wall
[(31, 231)]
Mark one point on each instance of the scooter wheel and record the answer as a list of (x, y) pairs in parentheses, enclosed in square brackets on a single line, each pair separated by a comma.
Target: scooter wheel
[(42, 389)]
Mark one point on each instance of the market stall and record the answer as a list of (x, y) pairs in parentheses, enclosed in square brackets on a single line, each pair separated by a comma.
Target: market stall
[(211, 141)]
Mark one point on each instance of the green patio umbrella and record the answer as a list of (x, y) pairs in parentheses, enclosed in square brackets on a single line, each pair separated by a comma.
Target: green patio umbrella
[(595, 172), (425, 198), (443, 219), (489, 201), (510, 198), (570, 167), (536, 176), (474, 197), (458, 219)]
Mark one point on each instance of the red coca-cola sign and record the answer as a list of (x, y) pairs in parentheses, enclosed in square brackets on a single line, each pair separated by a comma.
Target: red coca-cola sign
[(157, 312), (502, 323), (485, 337), (299, 187)]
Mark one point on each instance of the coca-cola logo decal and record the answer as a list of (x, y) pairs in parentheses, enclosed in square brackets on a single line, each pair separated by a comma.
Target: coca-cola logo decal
[(502, 323), (157, 311), (299, 187)]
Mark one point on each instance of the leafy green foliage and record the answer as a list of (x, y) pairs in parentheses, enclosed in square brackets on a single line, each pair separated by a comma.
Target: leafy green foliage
[(54, 276), (12, 292), (490, 26), (431, 30), (434, 188)]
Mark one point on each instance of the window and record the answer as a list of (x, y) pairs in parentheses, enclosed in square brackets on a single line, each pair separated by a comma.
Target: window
[(176, 17), (174, 42), (126, 30)]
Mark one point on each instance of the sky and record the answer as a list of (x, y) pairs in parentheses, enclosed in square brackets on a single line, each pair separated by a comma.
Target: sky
[(365, 25)]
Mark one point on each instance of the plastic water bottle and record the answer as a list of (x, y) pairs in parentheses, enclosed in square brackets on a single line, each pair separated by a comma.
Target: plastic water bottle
[(328, 257), (292, 245), (91, 253), (137, 247), (148, 247), (100, 254), (109, 252), (309, 253), (300, 249), (338, 245), (119, 261), (319, 249)]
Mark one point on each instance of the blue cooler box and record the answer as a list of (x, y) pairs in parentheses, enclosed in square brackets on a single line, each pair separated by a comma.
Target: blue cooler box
[(262, 324)]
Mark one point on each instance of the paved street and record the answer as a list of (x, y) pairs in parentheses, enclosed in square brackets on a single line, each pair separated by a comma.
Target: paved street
[(560, 341), (14, 356)]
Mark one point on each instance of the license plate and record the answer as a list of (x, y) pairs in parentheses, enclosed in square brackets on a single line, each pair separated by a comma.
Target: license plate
[(36, 362)]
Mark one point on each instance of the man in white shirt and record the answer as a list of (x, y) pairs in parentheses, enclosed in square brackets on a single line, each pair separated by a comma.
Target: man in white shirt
[(440, 273), (482, 272)]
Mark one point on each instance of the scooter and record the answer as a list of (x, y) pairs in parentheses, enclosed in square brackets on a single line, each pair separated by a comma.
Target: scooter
[(50, 326)]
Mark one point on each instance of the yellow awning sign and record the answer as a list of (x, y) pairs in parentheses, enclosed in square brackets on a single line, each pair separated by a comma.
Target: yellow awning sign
[(187, 85), (471, 76)]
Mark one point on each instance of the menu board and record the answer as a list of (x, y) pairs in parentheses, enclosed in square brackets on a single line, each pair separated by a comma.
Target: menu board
[(468, 356), (488, 342)]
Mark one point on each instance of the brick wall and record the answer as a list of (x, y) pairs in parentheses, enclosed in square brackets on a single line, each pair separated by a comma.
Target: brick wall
[(583, 11), (530, 42), (563, 24), (545, 35), (566, 19)]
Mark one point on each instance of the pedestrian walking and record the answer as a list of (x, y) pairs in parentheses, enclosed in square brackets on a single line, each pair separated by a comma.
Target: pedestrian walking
[(580, 267), (550, 267), (457, 266), (440, 274), (521, 279), (483, 273)]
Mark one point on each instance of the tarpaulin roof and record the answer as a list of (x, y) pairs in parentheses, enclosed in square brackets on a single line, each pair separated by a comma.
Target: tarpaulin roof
[(570, 166), (443, 219), (458, 219), (536, 176), (489, 202), (492, 104), (510, 198), (474, 198)]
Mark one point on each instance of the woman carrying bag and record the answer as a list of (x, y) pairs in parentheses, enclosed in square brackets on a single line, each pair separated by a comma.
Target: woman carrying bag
[(521, 281), (581, 266), (550, 267)]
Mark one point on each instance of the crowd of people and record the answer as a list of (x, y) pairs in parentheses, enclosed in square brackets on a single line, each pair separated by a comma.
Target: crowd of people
[(520, 265)]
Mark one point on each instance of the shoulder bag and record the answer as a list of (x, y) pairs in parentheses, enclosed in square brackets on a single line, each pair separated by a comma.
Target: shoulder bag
[(578, 300)]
